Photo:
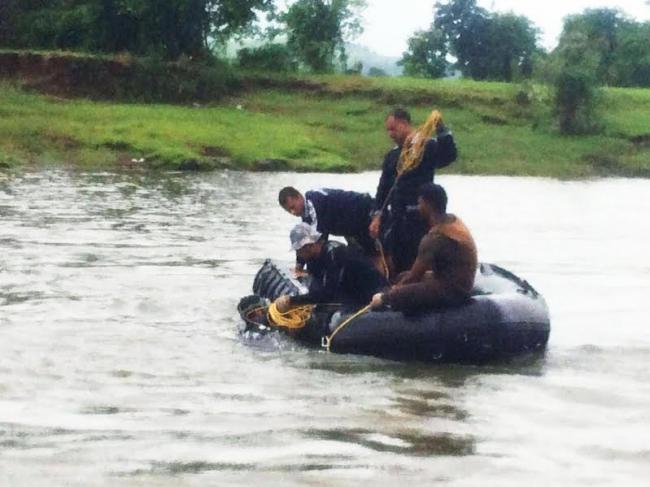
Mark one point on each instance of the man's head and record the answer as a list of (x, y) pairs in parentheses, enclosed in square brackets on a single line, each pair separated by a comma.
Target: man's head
[(398, 125), (306, 241), (432, 200), (292, 201)]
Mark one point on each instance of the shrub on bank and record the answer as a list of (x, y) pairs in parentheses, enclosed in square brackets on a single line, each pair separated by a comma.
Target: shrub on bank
[(154, 80), (122, 77), (270, 57)]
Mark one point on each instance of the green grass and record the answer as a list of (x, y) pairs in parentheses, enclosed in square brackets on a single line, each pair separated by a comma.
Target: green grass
[(627, 111), (39, 128), (335, 124)]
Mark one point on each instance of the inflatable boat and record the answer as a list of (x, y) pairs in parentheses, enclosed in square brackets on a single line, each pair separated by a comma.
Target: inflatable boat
[(505, 317)]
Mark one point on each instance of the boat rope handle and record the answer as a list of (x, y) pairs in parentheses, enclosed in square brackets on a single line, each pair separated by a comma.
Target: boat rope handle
[(327, 340)]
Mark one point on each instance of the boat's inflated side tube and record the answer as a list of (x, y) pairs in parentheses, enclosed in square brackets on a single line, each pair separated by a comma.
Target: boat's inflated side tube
[(486, 328), (504, 317)]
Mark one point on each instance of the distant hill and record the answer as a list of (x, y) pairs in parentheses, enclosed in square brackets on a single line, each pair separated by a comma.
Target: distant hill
[(372, 59)]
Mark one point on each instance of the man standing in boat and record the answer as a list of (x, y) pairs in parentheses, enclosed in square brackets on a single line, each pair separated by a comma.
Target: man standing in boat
[(447, 250), (339, 273), (395, 219)]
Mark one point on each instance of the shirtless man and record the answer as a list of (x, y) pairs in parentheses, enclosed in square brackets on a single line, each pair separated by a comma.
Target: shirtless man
[(447, 250)]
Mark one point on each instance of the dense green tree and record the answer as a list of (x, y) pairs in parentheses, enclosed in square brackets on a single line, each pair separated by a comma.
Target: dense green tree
[(377, 72), (465, 27), (576, 85), (620, 45), (8, 10), (168, 28), (631, 64), (268, 57), (426, 56), (512, 43), (317, 31), (485, 45), (600, 28), (228, 17)]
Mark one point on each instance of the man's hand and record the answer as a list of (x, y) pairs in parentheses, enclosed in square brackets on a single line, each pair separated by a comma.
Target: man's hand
[(375, 224), (377, 301), (299, 272), (283, 303)]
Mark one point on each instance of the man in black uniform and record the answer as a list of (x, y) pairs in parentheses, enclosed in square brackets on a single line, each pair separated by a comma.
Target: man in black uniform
[(395, 220), (333, 212), (339, 273)]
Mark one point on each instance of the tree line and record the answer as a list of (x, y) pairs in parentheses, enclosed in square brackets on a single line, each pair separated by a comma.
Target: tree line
[(463, 38), (488, 45), (315, 31)]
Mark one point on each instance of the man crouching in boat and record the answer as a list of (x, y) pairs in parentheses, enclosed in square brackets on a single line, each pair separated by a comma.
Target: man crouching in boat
[(448, 250), (333, 212), (339, 273)]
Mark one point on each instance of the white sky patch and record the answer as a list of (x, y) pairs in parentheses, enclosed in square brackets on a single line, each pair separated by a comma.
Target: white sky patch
[(390, 23)]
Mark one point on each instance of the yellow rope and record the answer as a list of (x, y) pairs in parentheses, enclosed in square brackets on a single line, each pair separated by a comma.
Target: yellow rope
[(327, 341), (382, 255), (412, 153), (250, 312), (294, 319)]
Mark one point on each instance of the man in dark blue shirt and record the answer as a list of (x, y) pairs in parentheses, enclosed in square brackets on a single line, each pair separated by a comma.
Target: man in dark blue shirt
[(396, 220), (333, 212)]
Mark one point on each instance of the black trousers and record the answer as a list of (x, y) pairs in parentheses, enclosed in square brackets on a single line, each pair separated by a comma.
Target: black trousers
[(401, 238)]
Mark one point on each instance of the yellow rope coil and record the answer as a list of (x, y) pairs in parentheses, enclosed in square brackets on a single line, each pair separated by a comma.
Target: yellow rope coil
[(412, 153), (294, 319)]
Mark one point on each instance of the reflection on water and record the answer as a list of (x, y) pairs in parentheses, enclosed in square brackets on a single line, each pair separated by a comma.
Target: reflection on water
[(404, 442), (121, 361)]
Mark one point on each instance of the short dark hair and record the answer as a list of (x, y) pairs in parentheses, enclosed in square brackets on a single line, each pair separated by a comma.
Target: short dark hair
[(435, 196), (286, 193), (400, 113)]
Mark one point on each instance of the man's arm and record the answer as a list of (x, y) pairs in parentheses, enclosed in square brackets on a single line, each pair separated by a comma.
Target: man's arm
[(326, 290), (299, 268), (385, 182), (383, 189), (439, 152), (416, 273), (423, 261), (447, 151)]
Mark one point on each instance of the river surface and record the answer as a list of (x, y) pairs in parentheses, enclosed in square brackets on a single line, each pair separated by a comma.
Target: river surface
[(121, 361)]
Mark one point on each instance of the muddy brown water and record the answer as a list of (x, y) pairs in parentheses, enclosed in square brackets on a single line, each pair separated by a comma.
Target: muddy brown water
[(121, 362)]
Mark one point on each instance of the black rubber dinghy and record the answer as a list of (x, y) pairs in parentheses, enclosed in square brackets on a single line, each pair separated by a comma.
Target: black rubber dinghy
[(505, 317)]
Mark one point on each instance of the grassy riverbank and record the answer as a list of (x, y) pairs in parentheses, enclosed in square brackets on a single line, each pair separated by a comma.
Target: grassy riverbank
[(321, 124)]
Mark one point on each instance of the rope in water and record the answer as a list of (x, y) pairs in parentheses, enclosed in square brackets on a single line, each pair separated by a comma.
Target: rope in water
[(327, 340)]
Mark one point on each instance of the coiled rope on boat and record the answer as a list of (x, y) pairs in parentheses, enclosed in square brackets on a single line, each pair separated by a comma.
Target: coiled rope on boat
[(294, 319)]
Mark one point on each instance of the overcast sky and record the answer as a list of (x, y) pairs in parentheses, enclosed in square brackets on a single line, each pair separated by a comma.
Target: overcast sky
[(389, 23)]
